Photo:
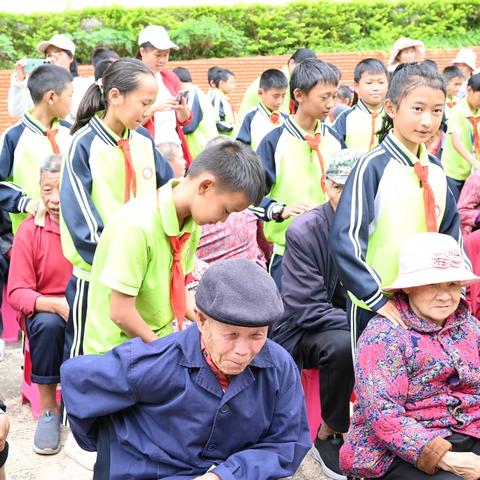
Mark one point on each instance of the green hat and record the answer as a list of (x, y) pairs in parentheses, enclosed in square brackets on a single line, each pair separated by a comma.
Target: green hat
[(341, 165)]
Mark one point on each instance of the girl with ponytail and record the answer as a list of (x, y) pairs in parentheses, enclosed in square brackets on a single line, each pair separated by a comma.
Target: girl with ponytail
[(395, 191), (111, 160)]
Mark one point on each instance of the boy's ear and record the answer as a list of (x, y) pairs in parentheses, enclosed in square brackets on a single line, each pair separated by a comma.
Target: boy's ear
[(49, 97), (299, 95), (206, 184), (260, 91), (390, 108)]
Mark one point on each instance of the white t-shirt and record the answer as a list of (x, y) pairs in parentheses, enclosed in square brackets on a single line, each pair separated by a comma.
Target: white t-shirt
[(165, 122)]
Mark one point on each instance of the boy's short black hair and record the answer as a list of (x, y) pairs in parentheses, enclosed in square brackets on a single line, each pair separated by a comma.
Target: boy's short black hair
[(369, 65), (311, 72), (273, 78), (344, 91), (236, 166), (432, 64), (211, 72), (474, 82), (183, 74), (45, 78), (219, 74), (451, 72), (100, 54), (302, 54)]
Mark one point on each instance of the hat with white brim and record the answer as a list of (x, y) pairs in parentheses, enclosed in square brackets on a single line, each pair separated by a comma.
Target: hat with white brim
[(430, 258), (466, 56), (59, 41)]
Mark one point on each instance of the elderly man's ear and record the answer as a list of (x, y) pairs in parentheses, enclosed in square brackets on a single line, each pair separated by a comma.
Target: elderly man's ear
[(200, 318)]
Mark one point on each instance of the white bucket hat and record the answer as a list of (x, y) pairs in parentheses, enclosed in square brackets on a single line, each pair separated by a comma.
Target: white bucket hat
[(59, 41), (468, 57), (427, 258), (157, 36), (402, 44)]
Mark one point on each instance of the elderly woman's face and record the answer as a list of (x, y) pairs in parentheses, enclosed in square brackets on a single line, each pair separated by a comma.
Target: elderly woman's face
[(49, 191), (434, 302)]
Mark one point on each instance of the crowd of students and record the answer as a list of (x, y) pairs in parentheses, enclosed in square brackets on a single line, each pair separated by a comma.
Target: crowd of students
[(130, 196)]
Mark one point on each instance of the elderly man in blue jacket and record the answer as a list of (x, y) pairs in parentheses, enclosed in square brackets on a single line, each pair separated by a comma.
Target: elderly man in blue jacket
[(314, 328), (216, 401)]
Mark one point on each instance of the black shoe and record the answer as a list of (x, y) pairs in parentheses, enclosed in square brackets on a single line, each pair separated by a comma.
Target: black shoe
[(326, 452)]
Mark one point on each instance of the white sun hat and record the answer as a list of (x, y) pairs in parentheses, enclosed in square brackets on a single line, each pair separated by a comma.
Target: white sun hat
[(427, 258), (402, 44), (466, 56), (157, 36), (59, 41)]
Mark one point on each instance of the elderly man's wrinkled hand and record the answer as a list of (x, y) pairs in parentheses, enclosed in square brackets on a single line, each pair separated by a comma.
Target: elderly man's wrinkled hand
[(4, 428), (463, 464), (208, 476)]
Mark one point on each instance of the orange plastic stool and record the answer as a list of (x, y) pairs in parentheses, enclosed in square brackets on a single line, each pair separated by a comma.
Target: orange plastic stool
[(30, 392)]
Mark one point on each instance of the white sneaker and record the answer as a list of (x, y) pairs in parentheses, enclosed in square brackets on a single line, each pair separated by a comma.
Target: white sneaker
[(73, 450), (2, 349)]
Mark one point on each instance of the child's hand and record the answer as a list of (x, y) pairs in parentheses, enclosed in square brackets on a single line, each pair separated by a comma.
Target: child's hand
[(295, 210), (389, 310), (32, 207), (208, 476), (20, 70)]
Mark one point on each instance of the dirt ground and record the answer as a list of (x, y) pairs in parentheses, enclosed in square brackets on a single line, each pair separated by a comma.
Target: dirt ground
[(23, 464)]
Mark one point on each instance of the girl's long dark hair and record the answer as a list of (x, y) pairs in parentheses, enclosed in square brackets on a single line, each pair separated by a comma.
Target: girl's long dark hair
[(405, 78), (123, 75)]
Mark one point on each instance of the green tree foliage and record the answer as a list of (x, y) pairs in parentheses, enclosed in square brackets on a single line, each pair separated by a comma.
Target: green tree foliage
[(208, 31)]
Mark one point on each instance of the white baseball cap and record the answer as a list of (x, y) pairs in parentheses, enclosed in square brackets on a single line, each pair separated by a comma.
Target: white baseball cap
[(157, 36), (59, 41)]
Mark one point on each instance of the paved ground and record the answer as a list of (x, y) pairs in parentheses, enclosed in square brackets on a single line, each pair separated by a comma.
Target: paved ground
[(23, 464)]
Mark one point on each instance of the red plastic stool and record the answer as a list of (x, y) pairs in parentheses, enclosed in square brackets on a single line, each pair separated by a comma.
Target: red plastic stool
[(311, 389), (9, 318), (30, 392)]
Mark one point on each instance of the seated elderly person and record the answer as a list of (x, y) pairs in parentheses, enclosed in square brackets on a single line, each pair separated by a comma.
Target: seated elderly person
[(418, 409), (215, 401), (38, 277)]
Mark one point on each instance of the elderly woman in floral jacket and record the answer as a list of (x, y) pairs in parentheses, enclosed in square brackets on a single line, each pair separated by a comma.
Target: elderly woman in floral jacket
[(418, 409)]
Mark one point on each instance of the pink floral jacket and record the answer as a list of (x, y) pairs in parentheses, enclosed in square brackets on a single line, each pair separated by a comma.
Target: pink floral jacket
[(412, 386)]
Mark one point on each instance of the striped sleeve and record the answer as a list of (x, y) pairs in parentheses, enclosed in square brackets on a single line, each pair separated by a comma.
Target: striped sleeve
[(245, 134), (12, 196), (78, 210), (350, 231), (340, 125), (196, 111), (266, 152), (451, 219)]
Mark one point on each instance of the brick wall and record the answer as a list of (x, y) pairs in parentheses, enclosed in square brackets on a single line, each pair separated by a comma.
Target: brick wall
[(246, 70)]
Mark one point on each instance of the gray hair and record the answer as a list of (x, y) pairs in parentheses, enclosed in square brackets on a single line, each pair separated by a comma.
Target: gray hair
[(52, 164)]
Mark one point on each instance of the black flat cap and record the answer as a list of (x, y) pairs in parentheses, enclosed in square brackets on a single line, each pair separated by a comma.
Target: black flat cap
[(239, 292)]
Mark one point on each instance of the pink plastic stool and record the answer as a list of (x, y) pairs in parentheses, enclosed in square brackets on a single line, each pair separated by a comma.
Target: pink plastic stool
[(311, 389), (30, 392), (9, 317)]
